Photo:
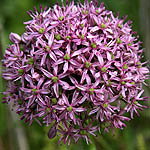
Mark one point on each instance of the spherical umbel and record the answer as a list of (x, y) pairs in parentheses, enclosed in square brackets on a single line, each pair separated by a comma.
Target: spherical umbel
[(78, 69)]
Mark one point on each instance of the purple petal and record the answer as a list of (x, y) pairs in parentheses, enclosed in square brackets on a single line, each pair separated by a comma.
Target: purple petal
[(64, 84), (83, 99), (76, 53), (59, 53), (29, 79), (79, 109), (43, 59), (108, 56), (31, 101), (56, 89), (138, 96), (94, 111), (65, 68), (100, 58), (61, 108), (88, 80), (40, 82), (75, 63), (65, 99), (53, 56), (44, 91), (51, 39), (41, 99), (26, 90), (46, 84), (59, 61), (46, 73), (94, 29), (83, 76)]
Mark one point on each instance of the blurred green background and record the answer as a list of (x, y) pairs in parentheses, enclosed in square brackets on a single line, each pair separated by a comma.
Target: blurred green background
[(15, 135)]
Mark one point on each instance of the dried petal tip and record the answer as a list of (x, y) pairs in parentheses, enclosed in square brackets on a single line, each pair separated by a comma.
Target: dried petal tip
[(15, 38)]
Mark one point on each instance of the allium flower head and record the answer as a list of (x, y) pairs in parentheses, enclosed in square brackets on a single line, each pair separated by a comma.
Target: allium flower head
[(77, 69)]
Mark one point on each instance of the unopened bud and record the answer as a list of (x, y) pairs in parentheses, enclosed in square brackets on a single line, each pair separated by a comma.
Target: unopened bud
[(15, 38), (52, 132)]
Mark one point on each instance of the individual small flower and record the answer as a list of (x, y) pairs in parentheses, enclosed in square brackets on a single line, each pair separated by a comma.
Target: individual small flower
[(103, 107), (47, 111), (13, 54), (68, 59), (67, 109), (87, 66), (47, 49), (67, 133), (133, 103), (117, 121), (85, 130), (35, 91), (55, 80)]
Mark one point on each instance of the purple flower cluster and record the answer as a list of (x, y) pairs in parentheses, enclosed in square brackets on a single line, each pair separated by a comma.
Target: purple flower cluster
[(77, 69)]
